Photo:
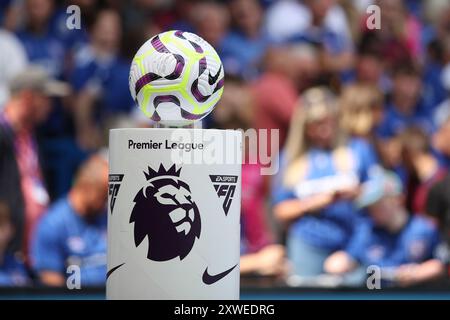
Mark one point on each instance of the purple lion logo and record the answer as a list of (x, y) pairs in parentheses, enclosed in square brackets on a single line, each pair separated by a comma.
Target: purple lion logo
[(165, 213)]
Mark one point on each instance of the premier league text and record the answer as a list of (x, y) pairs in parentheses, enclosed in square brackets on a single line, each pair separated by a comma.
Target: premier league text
[(148, 145)]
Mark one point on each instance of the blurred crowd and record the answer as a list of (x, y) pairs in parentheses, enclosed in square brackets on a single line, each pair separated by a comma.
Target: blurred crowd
[(363, 117)]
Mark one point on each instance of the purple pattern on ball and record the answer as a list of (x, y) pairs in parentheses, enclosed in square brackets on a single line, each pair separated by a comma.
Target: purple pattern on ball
[(149, 77), (155, 116), (197, 48), (178, 68), (194, 88), (168, 98), (179, 34), (190, 116), (144, 80), (158, 45), (202, 65), (196, 92)]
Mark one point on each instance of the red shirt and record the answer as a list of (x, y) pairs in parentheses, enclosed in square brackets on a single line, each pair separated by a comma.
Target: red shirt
[(35, 195), (275, 100), (420, 194), (255, 231)]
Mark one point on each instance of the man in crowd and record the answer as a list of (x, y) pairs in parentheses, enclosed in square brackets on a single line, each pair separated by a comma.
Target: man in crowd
[(402, 245), (100, 79), (406, 107), (438, 207), (39, 38), (21, 181), (73, 231), (422, 166)]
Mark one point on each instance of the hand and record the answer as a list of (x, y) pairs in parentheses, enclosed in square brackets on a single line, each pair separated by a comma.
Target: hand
[(347, 193), (322, 200), (406, 274), (272, 261), (338, 263)]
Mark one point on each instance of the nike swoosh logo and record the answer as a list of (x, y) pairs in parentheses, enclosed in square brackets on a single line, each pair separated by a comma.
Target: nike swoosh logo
[(210, 279), (213, 79), (113, 269)]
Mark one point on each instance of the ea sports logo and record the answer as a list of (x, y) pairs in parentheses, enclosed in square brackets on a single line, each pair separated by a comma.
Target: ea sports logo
[(166, 214)]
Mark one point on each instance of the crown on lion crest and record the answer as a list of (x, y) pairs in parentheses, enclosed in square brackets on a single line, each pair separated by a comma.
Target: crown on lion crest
[(152, 174)]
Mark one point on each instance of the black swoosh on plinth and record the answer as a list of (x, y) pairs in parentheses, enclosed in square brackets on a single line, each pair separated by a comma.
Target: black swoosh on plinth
[(210, 279), (113, 269)]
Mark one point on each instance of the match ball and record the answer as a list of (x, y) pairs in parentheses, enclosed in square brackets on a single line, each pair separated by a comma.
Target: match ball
[(176, 78)]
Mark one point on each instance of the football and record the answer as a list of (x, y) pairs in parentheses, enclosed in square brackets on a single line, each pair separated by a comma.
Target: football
[(176, 78)]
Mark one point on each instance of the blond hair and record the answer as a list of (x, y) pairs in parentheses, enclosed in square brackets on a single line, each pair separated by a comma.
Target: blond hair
[(315, 104), (356, 105)]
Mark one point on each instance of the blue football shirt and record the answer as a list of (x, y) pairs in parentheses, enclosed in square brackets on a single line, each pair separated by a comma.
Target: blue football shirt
[(109, 76), (13, 272), (395, 122), (45, 49), (414, 243), (331, 227), (65, 238)]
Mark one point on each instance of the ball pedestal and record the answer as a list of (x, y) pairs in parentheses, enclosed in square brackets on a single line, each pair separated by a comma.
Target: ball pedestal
[(174, 214)]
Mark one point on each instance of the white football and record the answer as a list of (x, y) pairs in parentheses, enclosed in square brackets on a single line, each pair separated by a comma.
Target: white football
[(176, 78)]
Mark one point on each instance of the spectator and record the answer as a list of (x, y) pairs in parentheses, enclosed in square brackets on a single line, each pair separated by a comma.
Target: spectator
[(47, 44), (73, 38), (438, 207), (258, 253), (369, 65), (389, 150), (405, 107), (13, 60), (440, 142), (12, 269), (361, 111), (143, 19), (40, 41), (403, 246), (361, 107), (11, 14), (73, 231), (400, 30), (320, 173), (442, 111), (319, 21), (246, 43), (211, 21), (100, 78), (435, 82), (288, 69), (21, 181), (423, 168), (179, 15)]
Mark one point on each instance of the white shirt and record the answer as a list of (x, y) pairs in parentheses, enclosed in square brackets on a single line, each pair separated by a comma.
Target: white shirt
[(288, 18)]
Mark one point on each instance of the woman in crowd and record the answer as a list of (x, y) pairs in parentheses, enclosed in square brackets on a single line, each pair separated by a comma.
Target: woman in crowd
[(422, 166), (320, 174), (361, 107)]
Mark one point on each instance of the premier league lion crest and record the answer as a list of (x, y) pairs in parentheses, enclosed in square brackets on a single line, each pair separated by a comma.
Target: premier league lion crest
[(165, 212)]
